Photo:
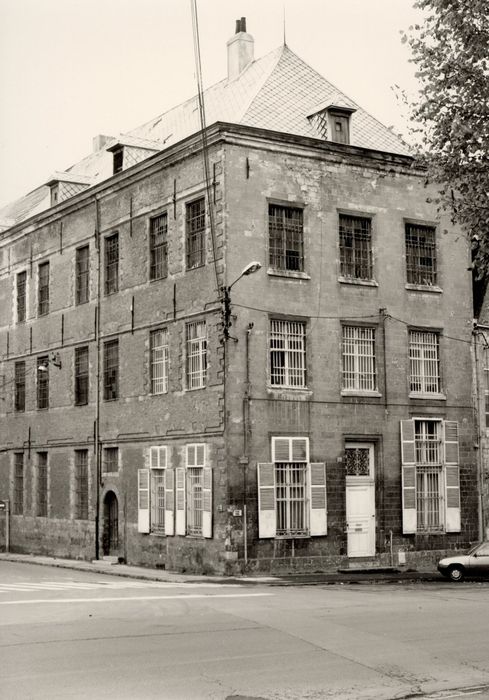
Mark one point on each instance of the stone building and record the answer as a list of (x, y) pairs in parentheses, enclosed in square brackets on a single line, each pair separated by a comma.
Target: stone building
[(163, 407)]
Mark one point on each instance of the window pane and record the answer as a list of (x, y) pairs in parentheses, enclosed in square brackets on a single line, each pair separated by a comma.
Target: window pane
[(111, 459), (196, 355), (291, 498), (18, 505), (43, 289), (195, 233), (420, 254), (19, 383), (285, 228), (158, 501), (355, 247), (81, 484), (288, 354), (82, 275), (21, 296), (43, 382), (159, 361), (112, 264), (359, 372), (195, 478), (158, 247), (42, 484), (111, 370), (424, 362), (81, 376)]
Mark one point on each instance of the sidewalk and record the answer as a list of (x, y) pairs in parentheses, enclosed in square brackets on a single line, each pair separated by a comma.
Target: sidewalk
[(358, 576)]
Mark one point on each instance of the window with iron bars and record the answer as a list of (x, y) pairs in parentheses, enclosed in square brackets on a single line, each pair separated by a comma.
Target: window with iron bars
[(42, 484), (196, 342), (158, 501), (421, 255), (355, 247), (111, 370), (110, 459), (291, 499), (195, 233), (19, 386), (18, 504), (111, 253), (288, 354), (43, 382), (286, 237), (159, 361), (424, 359), (81, 484), (158, 229), (81, 376), (359, 371), (429, 476), (195, 462), (82, 275), (43, 289), (21, 296)]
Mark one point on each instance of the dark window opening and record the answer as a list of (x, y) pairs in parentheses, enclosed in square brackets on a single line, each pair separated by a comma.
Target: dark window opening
[(21, 296), (43, 382), (285, 226), (112, 264), (111, 370), (195, 233), (118, 160), (82, 275), (355, 247), (158, 247), (43, 289), (421, 255), (81, 376), (19, 398)]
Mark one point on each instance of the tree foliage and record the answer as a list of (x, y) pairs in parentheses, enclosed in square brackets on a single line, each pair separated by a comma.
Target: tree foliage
[(451, 52)]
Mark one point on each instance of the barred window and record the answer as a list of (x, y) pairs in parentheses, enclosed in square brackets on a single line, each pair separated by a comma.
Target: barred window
[(21, 296), (290, 479), (420, 254), (195, 485), (429, 475), (158, 501), (42, 484), (81, 376), (288, 353), (111, 370), (112, 264), (359, 371), (81, 484), (286, 237), (110, 461), (43, 289), (82, 275), (159, 361), (355, 247), (196, 342), (424, 358), (195, 233), (43, 382), (19, 386), (18, 504), (158, 229)]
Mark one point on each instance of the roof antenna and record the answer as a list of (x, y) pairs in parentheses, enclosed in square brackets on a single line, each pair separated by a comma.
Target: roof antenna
[(285, 42)]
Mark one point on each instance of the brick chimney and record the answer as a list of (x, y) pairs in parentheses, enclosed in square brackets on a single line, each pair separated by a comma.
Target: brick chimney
[(240, 50)]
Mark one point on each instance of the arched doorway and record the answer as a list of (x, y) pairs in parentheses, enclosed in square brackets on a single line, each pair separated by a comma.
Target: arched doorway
[(111, 524)]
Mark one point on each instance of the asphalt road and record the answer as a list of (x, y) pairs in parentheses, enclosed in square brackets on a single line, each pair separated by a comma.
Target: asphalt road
[(72, 634)]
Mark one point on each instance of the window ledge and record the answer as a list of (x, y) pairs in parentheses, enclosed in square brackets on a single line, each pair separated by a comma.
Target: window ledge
[(289, 392), (420, 395), (360, 282), (359, 392), (294, 274), (423, 288)]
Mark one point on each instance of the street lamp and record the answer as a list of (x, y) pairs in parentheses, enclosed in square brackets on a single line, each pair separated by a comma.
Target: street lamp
[(54, 359), (226, 296)]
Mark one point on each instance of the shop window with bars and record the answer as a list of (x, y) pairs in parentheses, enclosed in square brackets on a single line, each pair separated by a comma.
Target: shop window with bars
[(158, 230), (19, 386), (82, 274), (196, 355), (43, 289), (421, 255), (42, 484), (159, 361), (195, 233), (43, 382), (287, 354), (286, 237), (429, 475), (110, 461), (359, 370), (111, 260), (18, 500), (355, 247), (81, 484), (81, 376), (424, 359), (111, 370), (21, 296)]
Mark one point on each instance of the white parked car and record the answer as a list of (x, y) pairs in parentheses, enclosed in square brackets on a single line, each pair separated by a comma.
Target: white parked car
[(474, 563)]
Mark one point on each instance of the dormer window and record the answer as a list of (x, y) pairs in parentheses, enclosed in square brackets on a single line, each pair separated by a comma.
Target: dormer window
[(54, 194), (332, 122), (118, 160), (63, 185), (339, 123)]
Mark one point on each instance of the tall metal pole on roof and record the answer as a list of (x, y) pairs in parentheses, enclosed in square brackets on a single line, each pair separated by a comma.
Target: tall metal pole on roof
[(285, 41)]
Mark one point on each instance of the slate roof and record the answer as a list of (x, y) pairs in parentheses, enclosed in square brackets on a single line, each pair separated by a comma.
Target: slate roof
[(277, 92)]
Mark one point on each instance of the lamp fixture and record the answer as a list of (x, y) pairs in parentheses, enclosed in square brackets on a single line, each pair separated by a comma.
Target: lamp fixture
[(250, 268)]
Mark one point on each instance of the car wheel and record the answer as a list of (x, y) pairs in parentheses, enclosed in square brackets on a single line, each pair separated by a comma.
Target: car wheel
[(456, 573)]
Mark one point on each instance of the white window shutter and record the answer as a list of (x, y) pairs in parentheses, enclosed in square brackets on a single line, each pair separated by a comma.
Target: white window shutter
[(267, 519), (169, 502), (180, 515), (281, 451), (207, 503), (408, 456), (153, 457), (143, 500), (452, 477), (318, 514)]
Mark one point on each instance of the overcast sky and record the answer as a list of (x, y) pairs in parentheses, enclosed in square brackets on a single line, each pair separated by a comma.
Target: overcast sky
[(71, 69)]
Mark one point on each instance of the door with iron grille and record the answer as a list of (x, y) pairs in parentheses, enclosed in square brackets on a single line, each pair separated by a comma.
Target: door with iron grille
[(360, 499), (111, 524)]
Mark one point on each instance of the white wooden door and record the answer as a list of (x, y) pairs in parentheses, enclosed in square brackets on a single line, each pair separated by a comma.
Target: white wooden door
[(360, 499)]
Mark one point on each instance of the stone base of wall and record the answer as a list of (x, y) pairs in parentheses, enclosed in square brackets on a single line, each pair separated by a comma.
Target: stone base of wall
[(67, 539)]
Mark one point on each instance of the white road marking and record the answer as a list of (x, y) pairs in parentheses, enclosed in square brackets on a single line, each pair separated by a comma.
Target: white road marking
[(96, 585), (192, 596)]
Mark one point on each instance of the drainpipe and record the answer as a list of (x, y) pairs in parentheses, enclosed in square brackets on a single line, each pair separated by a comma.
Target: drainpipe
[(97, 383), (480, 440), (246, 430)]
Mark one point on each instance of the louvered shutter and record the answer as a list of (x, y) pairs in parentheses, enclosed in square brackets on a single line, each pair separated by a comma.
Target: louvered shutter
[(452, 477), (143, 500), (290, 449), (408, 457), (207, 503), (180, 520), (169, 502), (318, 515), (267, 519)]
